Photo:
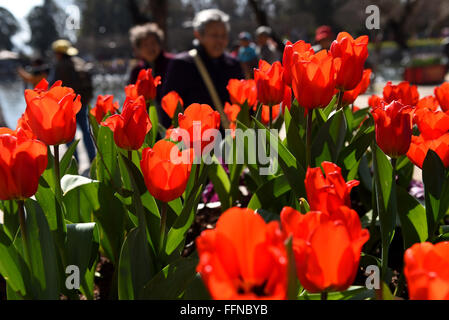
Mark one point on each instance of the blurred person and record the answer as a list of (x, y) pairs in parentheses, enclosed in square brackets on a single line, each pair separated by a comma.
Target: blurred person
[(147, 41), (266, 46), (247, 54), (34, 73), (323, 38), (74, 72), (185, 74)]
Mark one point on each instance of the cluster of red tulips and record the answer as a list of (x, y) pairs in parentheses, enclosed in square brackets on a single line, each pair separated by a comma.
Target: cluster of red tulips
[(302, 231)]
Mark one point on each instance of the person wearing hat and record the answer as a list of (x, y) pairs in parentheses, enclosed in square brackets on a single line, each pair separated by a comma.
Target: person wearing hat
[(72, 70), (266, 46), (323, 37), (247, 54)]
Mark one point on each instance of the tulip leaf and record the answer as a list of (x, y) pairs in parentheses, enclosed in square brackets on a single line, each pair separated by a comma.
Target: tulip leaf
[(267, 195), (82, 250), (154, 124), (293, 286), (171, 282), (106, 160), (413, 219), (43, 265), (349, 157), (196, 290), (436, 189), (220, 180), (352, 293), (385, 199), (67, 158), (294, 141), (12, 266), (294, 173), (134, 268), (330, 139)]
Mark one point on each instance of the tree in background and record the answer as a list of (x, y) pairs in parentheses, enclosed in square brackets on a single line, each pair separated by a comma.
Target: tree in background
[(43, 27), (8, 28)]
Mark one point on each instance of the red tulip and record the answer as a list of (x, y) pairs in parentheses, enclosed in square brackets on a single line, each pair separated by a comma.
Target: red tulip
[(131, 126), (243, 257), (24, 128), (313, 81), (200, 116), (429, 102), (427, 271), (104, 105), (265, 116), (22, 162), (431, 124), (328, 193), (270, 86), (166, 170), (292, 53), (375, 101), (51, 114), (145, 86), (402, 92), (170, 103), (232, 111), (393, 128), (326, 246), (442, 95), (241, 91), (420, 146), (350, 96), (353, 54)]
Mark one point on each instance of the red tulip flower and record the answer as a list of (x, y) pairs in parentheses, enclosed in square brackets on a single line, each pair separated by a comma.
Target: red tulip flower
[(442, 95), (131, 126), (265, 115), (24, 128), (243, 258), (51, 114), (420, 146), (393, 128), (350, 96), (404, 92), (431, 124), (200, 117), (292, 53), (22, 162), (313, 81), (241, 91), (170, 103), (270, 86), (104, 105), (326, 246), (375, 101), (427, 271), (232, 111), (327, 193), (429, 102), (353, 54), (145, 86), (166, 170)]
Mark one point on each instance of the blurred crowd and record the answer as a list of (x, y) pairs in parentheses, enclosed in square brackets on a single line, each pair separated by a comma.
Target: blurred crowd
[(199, 75)]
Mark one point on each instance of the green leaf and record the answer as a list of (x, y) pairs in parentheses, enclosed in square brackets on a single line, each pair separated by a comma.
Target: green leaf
[(154, 124), (220, 180), (294, 141), (352, 293), (293, 286), (11, 268), (436, 188), (413, 218), (106, 160), (267, 194), (330, 139), (135, 265), (171, 282), (66, 159), (43, 264)]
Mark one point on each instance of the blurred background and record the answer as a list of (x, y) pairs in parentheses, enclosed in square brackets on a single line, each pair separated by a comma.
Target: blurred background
[(412, 33)]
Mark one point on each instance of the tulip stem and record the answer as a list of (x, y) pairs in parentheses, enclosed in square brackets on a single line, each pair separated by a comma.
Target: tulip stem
[(271, 117), (309, 138), (130, 155), (324, 295), (163, 225), (57, 173), (340, 99), (22, 222)]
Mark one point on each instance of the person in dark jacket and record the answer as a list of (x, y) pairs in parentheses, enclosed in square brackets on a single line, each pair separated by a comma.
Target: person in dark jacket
[(147, 42), (211, 29)]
